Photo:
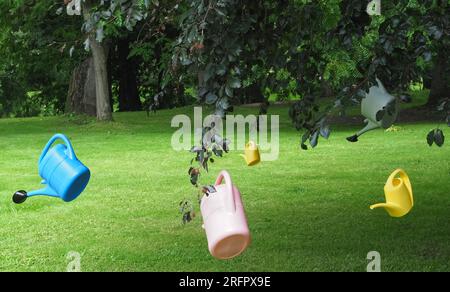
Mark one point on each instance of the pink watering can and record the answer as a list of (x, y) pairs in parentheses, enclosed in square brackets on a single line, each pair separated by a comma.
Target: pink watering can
[(224, 220)]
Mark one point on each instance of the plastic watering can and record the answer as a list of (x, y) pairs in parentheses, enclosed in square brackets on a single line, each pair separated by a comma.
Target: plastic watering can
[(399, 195), (251, 156), (224, 220), (378, 99), (63, 174)]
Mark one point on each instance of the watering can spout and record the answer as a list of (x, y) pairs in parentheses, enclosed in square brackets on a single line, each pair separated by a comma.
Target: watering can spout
[(369, 127), (386, 206), (47, 191), (249, 162), (392, 209)]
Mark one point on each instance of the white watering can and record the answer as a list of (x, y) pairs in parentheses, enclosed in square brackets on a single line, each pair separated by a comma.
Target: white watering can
[(224, 220), (377, 101)]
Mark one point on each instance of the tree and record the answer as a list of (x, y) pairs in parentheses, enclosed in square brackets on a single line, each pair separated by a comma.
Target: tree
[(440, 84), (81, 96), (127, 71), (316, 42), (34, 59), (103, 19), (161, 83), (100, 51)]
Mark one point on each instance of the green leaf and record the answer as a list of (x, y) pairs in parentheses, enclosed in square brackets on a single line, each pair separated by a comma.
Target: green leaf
[(194, 178), (427, 56), (223, 104), (439, 138), (325, 132), (314, 139), (304, 139), (220, 12), (228, 91), (71, 51), (187, 217), (430, 138), (202, 92), (100, 34), (87, 45), (209, 72), (226, 145), (209, 190), (196, 149), (218, 152), (221, 70), (211, 98), (234, 82)]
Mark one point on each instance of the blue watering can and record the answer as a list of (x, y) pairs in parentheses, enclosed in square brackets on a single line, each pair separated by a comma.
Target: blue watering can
[(64, 175)]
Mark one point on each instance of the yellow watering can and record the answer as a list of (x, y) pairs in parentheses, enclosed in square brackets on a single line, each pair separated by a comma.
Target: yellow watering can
[(251, 156), (399, 195)]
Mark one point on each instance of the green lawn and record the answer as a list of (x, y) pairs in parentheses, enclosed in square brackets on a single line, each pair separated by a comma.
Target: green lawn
[(307, 211)]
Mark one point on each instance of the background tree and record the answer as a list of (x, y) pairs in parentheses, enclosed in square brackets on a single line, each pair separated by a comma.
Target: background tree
[(161, 85), (34, 57), (316, 43), (227, 52)]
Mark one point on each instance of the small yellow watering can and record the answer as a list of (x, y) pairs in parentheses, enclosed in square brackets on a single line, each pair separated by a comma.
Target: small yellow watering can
[(251, 156), (399, 195)]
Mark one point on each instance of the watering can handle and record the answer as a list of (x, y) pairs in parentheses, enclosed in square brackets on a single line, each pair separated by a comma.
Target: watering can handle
[(229, 200), (251, 144), (381, 85), (66, 141), (405, 179)]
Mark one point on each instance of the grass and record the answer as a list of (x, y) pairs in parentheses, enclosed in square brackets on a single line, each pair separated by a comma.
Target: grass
[(307, 211)]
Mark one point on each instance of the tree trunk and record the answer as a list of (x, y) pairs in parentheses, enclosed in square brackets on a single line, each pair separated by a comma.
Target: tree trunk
[(253, 94), (81, 97), (327, 90), (440, 83), (100, 56), (128, 86), (110, 79), (166, 96)]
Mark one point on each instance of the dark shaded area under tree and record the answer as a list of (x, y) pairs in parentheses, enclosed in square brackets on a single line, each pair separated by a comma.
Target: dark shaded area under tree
[(127, 74), (440, 79)]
